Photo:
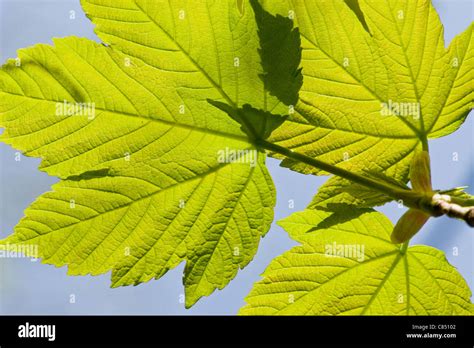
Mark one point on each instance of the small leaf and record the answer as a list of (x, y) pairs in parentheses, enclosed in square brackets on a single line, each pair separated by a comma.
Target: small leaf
[(408, 225), (459, 192), (420, 172), (342, 191), (352, 268)]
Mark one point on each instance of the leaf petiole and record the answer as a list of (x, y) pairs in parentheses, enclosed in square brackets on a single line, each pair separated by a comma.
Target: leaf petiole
[(428, 202)]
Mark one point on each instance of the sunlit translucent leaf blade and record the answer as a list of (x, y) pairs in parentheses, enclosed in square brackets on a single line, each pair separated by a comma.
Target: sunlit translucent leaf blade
[(460, 77), (208, 42), (409, 34), (128, 105), (156, 175), (369, 95), (420, 172), (408, 225), (352, 268), (354, 6), (339, 114), (341, 191)]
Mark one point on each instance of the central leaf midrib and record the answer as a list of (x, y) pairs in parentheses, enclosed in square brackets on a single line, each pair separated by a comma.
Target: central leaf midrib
[(412, 77), (226, 225), (152, 247), (378, 258), (190, 58), (386, 136), (132, 201), (156, 120), (382, 282), (409, 125)]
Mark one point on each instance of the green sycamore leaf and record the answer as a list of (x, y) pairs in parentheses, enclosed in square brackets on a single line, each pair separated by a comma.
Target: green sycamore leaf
[(352, 268), (373, 91), (280, 53), (152, 174)]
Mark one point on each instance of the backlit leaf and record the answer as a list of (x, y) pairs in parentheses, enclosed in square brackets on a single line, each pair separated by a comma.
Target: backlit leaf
[(153, 174), (373, 90), (352, 268)]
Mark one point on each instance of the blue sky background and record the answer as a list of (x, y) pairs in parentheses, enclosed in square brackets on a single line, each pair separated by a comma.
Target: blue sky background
[(28, 287)]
